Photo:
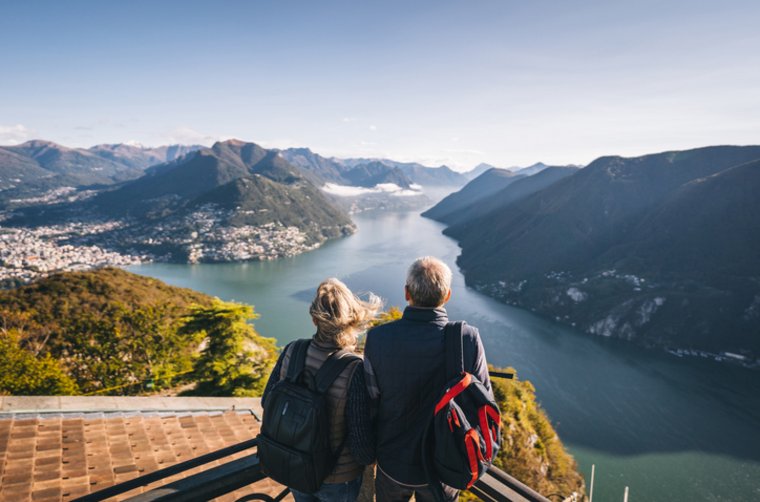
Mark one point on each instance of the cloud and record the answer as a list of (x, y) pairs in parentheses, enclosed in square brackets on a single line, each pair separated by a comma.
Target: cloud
[(386, 188), (373, 127), (14, 134), (347, 120)]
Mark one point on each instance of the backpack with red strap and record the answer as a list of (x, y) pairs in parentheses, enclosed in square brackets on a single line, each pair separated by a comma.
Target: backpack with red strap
[(464, 436)]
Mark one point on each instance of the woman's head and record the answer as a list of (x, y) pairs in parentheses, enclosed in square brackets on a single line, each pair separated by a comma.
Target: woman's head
[(339, 314)]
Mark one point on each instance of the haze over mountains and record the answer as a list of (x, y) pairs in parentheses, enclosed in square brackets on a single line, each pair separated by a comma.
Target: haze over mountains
[(37, 166), (362, 172), (663, 249), (232, 201), (257, 185), (493, 189)]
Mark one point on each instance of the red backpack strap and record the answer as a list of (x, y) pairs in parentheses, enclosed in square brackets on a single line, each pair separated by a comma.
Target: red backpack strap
[(453, 392)]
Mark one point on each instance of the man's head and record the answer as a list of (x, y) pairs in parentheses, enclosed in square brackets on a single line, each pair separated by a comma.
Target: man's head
[(428, 283)]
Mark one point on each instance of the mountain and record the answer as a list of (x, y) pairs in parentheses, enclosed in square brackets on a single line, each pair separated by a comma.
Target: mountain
[(417, 173), (138, 157), (494, 191), (484, 185), (17, 169), (376, 173), (369, 172), (175, 183), (39, 169), (258, 200), (478, 170), (76, 164), (431, 176), (661, 249), (530, 170), (319, 169), (233, 201)]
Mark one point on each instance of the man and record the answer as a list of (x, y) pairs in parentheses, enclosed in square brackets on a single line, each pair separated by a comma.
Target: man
[(405, 368)]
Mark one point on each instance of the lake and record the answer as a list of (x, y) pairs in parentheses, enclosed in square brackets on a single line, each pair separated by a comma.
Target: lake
[(671, 429)]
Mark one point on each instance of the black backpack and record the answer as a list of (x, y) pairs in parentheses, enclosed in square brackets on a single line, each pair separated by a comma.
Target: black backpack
[(294, 443), (464, 435)]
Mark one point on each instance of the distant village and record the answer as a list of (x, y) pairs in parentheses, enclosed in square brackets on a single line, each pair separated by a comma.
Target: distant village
[(201, 236), (27, 254)]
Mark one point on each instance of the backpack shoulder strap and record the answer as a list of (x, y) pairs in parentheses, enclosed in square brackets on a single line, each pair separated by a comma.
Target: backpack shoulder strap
[(454, 353), (297, 359), (332, 368)]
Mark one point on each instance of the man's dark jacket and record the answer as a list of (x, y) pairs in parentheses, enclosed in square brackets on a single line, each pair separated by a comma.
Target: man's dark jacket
[(405, 369)]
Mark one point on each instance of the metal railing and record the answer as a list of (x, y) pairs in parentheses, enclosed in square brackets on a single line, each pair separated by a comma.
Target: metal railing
[(496, 485), (206, 485)]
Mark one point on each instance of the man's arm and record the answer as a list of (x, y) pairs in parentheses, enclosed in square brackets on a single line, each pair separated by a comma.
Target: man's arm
[(479, 366), (369, 372), (371, 379), (361, 437)]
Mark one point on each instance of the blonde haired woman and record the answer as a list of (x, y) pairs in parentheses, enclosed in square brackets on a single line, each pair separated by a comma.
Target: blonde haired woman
[(339, 316)]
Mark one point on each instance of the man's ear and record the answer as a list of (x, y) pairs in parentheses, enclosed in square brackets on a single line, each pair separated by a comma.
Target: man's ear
[(407, 296), (448, 297)]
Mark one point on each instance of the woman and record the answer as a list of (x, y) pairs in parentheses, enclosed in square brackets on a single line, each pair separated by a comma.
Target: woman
[(339, 317)]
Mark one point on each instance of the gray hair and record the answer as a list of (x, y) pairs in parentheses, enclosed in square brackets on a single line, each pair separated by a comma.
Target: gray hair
[(340, 315), (428, 281)]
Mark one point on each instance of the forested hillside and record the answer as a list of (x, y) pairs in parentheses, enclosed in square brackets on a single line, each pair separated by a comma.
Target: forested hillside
[(113, 332)]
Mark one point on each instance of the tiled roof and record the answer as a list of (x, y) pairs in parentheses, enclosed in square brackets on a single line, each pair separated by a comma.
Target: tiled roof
[(61, 451)]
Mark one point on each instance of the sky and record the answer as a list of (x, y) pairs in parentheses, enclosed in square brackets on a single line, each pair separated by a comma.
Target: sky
[(462, 82)]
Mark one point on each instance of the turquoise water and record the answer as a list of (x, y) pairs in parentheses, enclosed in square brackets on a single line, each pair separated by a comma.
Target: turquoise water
[(670, 429)]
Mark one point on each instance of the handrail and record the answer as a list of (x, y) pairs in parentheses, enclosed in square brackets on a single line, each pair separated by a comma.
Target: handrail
[(495, 486), (166, 472), (499, 486), (213, 483)]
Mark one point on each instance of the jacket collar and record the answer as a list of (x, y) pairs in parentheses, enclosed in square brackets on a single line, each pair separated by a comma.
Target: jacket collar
[(329, 346), (420, 314)]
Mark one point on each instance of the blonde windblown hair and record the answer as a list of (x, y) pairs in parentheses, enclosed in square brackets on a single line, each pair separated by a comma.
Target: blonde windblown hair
[(340, 315)]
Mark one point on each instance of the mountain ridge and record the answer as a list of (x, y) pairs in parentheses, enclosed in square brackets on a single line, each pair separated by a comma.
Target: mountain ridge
[(234, 201), (659, 249)]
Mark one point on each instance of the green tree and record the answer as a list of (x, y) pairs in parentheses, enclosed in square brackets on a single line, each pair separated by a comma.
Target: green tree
[(111, 331), (234, 360), (122, 350), (22, 373)]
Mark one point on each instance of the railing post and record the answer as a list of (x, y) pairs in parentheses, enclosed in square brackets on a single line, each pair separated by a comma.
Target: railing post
[(591, 490)]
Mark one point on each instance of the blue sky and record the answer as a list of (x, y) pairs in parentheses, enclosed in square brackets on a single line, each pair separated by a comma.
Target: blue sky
[(455, 82)]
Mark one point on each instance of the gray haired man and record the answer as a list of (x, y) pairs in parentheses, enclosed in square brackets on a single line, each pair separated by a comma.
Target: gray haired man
[(405, 366)]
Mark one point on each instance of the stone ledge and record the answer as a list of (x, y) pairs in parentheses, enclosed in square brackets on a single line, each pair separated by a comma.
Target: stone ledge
[(105, 404)]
